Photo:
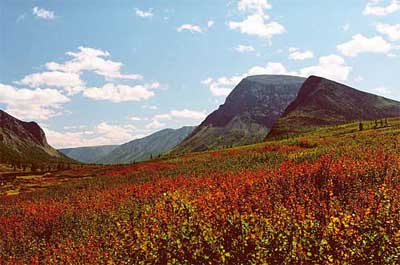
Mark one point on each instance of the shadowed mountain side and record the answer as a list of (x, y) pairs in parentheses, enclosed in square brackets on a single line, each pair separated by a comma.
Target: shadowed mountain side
[(147, 147), (247, 114)]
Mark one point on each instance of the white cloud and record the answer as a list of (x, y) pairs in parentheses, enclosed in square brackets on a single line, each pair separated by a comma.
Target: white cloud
[(358, 79), (345, 27), (256, 25), (392, 31), (155, 124), (189, 27), (158, 121), (257, 6), (114, 132), (222, 86), (360, 44), (134, 118), (71, 82), (256, 21), (90, 59), (68, 74), (383, 90), (38, 104), (121, 93), (101, 134), (270, 69), (181, 114), (143, 14), (332, 67), (244, 48), (43, 13), (297, 55), (373, 8), (210, 23)]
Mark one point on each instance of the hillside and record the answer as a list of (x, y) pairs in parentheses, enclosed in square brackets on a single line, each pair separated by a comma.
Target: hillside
[(147, 147), (324, 102), (25, 142), (330, 197), (247, 114), (89, 154)]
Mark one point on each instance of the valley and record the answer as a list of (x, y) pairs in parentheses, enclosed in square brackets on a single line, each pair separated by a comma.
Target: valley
[(280, 200)]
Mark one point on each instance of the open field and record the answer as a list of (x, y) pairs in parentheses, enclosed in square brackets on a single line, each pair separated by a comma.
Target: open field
[(331, 196)]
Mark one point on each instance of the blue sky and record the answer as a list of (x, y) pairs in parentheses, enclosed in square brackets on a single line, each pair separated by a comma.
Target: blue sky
[(106, 72)]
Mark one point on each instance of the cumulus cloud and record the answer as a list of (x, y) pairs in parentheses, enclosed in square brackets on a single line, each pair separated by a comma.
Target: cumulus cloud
[(103, 133), (222, 86), (154, 125), (361, 44), (332, 67), (143, 14), (37, 104), (91, 59), (256, 21), (134, 118), (210, 23), (181, 114), (256, 25), (121, 93), (373, 8), (43, 13), (244, 48), (297, 55), (392, 31), (159, 120), (71, 82), (189, 27), (257, 6), (68, 74)]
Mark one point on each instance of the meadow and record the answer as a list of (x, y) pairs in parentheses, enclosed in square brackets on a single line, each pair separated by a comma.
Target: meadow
[(331, 196)]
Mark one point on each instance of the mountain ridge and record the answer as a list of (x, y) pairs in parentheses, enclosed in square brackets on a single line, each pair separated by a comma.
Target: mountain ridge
[(25, 142), (248, 113), (323, 102)]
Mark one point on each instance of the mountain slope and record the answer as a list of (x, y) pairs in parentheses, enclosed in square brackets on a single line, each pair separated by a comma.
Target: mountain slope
[(25, 142), (147, 147), (324, 102), (89, 154), (247, 114)]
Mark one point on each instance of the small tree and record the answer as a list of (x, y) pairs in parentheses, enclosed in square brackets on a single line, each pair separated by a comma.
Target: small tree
[(360, 126)]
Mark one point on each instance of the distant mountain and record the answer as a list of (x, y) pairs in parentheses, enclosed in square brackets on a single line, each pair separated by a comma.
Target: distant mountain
[(90, 154), (247, 114), (147, 147), (25, 142), (324, 102)]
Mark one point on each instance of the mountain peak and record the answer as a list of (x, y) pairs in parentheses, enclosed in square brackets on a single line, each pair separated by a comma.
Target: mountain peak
[(24, 141), (248, 113), (325, 102)]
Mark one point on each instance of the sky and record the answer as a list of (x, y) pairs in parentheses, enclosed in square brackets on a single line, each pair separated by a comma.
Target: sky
[(107, 72)]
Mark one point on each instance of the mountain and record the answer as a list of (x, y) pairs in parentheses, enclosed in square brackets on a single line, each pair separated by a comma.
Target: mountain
[(89, 154), (147, 147), (323, 102), (247, 115), (25, 142)]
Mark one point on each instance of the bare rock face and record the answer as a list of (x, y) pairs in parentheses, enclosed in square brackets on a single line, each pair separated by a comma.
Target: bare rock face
[(247, 114), (28, 131), (24, 141)]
